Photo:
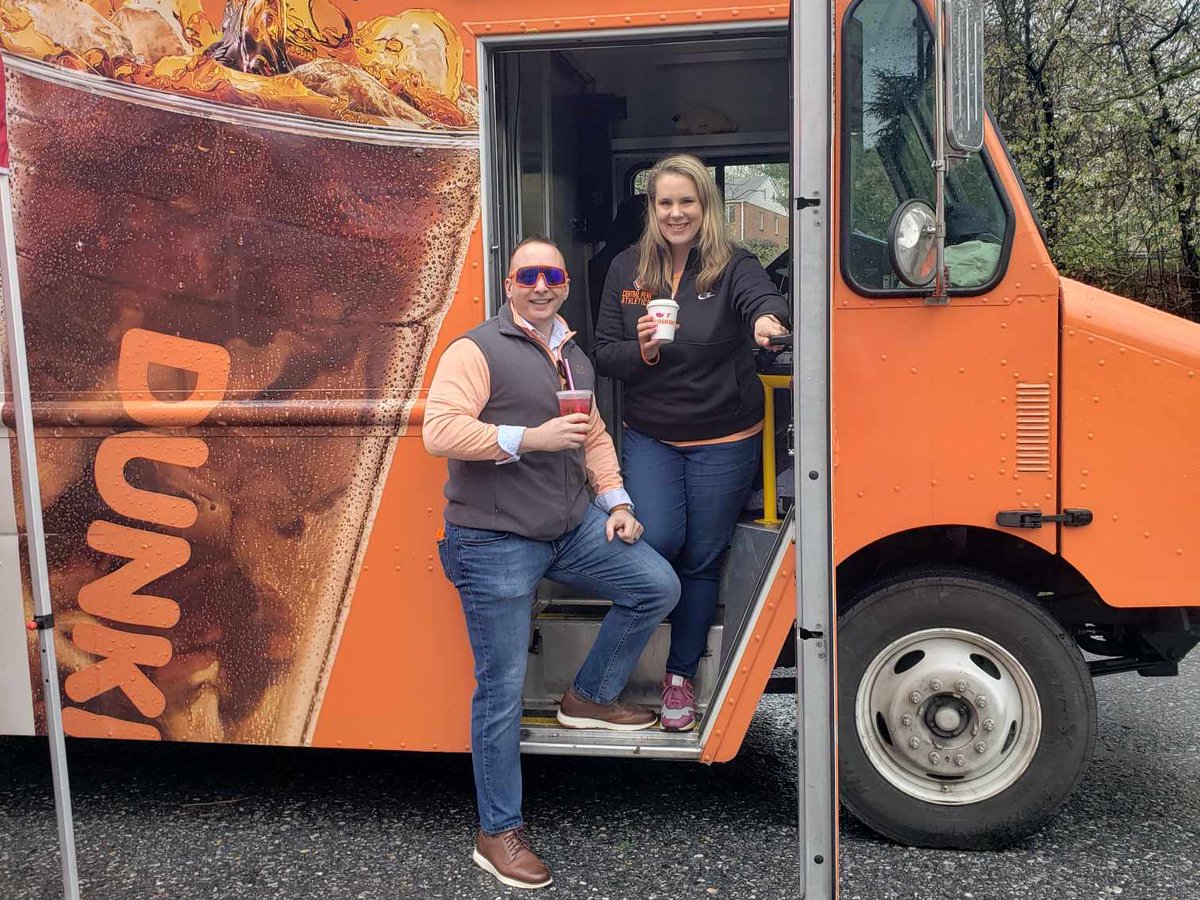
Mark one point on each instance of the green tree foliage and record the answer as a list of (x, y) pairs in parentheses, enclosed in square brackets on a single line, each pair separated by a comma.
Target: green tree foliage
[(1100, 103), (764, 250)]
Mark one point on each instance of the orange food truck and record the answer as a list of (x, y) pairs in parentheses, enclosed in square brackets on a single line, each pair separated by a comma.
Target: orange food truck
[(244, 233)]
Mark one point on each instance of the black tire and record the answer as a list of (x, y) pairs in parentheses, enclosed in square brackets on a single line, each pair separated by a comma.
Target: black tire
[(1010, 617)]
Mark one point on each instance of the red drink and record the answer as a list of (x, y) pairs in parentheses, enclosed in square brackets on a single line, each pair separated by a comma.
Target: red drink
[(570, 402)]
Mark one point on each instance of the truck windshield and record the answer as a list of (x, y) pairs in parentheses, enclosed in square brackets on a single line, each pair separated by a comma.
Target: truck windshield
[(888, 97)]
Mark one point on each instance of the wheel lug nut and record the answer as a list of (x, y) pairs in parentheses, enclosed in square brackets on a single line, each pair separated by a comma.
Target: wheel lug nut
[(907, 719), (961, 687), (980, 747), (989, 725), (935, 685), (915, 697), (914, 743), (934, 758), (981, 701), (960, 760)]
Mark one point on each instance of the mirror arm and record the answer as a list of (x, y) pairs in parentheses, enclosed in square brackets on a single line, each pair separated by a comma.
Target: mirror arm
[(941, 282)]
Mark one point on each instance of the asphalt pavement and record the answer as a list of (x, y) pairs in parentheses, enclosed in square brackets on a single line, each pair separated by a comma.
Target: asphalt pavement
[(193, 822)]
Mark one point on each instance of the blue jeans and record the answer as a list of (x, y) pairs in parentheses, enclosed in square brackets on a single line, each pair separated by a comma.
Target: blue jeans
[(689, 500), (497, 573)]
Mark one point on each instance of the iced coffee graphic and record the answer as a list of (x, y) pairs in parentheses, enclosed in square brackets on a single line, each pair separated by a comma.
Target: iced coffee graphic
[(237, 242)]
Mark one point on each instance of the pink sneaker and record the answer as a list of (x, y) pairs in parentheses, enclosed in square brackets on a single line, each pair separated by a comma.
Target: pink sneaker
[(678, 703)]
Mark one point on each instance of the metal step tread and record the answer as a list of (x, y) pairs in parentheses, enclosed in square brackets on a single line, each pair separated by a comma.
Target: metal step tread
[(751, 521), (553, 738)]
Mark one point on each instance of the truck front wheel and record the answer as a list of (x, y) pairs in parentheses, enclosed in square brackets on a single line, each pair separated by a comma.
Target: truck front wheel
[(967, 714)]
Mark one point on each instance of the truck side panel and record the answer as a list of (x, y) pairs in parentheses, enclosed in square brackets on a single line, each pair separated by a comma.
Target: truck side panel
[(1130, 434), (936, 407), (230, 333)]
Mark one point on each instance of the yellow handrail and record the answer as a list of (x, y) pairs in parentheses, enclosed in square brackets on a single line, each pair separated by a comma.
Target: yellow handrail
[(770, 497)]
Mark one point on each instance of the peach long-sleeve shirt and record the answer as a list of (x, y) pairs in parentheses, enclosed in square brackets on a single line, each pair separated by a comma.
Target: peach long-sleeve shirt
[(460, 389)]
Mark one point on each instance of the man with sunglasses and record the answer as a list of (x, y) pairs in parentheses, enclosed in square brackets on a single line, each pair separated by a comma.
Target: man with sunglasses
[(518, 510)]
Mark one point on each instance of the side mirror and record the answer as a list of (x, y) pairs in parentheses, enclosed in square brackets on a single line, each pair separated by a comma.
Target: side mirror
[(912, 243), (964, 74)]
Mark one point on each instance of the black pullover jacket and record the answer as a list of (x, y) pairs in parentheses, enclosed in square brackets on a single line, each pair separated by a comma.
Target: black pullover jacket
[(704, 385)]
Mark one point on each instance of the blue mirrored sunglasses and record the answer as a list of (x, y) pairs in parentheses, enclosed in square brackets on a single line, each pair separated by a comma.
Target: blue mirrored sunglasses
[(527, 276)]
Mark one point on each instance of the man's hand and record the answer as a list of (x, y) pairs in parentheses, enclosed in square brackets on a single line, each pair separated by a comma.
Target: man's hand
[(622, 524), (562, 433), (766, 327), (645, 336)]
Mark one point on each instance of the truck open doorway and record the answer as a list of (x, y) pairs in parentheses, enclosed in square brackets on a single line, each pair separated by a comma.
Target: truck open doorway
[(569, 127), (570, 130)]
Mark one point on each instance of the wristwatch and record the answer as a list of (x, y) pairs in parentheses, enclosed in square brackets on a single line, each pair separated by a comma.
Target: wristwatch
[(628, 506)]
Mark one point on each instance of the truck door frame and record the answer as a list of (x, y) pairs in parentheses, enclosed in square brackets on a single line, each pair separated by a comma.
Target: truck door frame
[(812, 48), (811, 36)]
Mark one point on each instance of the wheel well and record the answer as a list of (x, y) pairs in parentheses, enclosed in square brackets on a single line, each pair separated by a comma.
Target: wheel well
[(1148, 635), (1005, 556)]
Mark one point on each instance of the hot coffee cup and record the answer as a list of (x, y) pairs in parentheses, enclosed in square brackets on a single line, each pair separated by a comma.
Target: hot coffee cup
[(665, 313)]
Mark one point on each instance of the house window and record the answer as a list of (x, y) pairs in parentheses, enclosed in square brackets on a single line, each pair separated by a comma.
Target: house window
[(730, 213), (762, 221), (777, 226)]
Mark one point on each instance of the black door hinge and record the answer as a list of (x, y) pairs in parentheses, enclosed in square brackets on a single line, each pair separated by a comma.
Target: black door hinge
[(1032, 518), (803, 203)]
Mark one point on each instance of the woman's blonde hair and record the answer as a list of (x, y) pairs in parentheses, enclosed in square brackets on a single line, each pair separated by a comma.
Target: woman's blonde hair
[(716, 246)]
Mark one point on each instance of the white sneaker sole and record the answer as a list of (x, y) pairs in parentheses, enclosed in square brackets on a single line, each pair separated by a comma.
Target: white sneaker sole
[(581, 722), (677, 730), (482, 862)]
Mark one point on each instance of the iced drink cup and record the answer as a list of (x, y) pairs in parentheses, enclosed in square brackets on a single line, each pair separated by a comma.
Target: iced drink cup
[(570, 402), (666, 316), (324, 266)]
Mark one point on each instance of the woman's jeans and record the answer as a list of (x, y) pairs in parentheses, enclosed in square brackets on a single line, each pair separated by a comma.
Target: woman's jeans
[(497, 574), (689, 500)]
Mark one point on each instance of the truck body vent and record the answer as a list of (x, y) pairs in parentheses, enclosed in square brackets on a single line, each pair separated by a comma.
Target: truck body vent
[(1033, 427)]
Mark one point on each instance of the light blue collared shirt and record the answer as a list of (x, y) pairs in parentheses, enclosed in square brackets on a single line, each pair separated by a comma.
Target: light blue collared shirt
[(509, 437)]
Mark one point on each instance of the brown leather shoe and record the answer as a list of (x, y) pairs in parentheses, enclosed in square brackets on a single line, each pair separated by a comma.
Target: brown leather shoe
[(579, 712), (508, 857)]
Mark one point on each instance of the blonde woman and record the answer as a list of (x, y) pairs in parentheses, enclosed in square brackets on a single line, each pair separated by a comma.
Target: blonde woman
[(693, 408)]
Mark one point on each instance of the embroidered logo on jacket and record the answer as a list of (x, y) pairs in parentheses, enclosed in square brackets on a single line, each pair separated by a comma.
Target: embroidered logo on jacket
[(636, 298)]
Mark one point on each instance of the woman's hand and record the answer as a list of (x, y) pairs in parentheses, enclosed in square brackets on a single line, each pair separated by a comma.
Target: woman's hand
[(765, 328), (645, 336)]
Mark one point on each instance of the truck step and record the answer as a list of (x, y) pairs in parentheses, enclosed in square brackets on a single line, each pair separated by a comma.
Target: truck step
[(652, 742), (561, 643)]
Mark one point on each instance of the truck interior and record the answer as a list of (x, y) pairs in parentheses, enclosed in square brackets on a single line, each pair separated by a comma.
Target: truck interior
[(572, 130)]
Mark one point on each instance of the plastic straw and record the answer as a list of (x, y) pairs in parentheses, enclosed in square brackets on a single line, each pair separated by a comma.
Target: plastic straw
[(567, 371)]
